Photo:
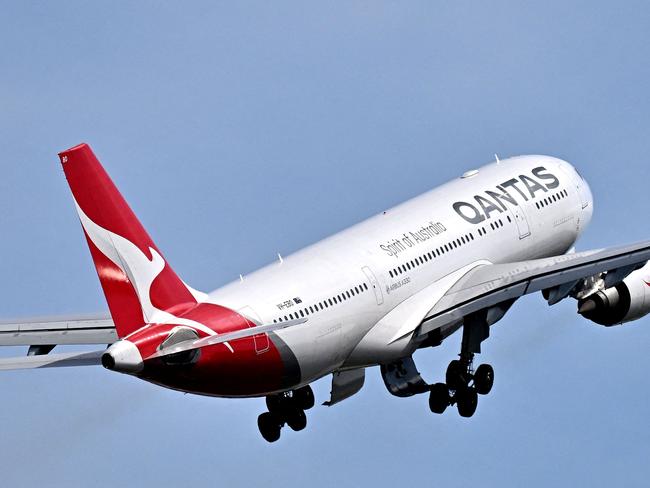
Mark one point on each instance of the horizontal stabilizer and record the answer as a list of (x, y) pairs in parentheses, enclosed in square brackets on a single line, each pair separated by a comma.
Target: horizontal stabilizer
[(226, 337), (52, 360), (79, 329)]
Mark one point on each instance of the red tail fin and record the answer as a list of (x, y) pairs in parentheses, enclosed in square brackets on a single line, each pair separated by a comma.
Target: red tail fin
[(137, 281)]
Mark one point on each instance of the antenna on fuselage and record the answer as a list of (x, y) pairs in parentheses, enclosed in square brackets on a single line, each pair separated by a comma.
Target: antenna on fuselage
[(496, 157), (280, 258)]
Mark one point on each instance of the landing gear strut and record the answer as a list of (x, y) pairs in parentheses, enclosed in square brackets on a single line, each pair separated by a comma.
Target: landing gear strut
[(285, 408), (463, 384)]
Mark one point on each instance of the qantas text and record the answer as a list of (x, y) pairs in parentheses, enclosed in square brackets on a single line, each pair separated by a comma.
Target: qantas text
[(522, 187)]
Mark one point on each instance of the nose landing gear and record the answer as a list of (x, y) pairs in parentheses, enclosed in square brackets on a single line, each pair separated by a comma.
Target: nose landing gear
[(287, 408)]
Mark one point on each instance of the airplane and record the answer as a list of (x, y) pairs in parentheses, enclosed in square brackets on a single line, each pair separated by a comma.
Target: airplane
[(453, 259)]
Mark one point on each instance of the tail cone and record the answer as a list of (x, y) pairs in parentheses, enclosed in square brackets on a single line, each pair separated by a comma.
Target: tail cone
[(123, 357)]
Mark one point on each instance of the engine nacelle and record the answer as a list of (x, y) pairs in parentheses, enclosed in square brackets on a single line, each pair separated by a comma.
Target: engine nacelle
[(629, 300)]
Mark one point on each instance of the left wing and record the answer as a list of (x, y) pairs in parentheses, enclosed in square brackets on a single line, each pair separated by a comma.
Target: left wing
[(494, 285)]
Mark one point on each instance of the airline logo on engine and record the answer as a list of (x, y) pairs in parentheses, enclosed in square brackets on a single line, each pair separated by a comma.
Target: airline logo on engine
[(521, 188)]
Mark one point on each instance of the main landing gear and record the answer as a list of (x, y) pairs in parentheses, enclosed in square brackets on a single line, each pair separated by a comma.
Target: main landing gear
[(463, 384), (285, 408), (462, 387)]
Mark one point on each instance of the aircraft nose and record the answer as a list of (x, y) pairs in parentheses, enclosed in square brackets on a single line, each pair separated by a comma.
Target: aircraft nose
[(123, 357)]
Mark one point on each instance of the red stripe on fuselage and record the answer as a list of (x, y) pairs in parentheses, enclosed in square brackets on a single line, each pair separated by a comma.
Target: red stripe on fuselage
[(244, 371)]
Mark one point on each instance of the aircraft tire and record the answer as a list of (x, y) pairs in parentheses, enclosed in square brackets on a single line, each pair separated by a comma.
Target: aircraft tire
[(304, 397), (438, 398), (455, 376), (484, 379), (269, 426), (296, 419), (466, 401), (277, 404)]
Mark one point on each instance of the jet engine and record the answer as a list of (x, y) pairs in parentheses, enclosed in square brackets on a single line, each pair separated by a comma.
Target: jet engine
[(628, 300)]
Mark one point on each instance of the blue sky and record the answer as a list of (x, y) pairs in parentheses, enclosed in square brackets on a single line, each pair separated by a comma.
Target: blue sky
[(238, 130)]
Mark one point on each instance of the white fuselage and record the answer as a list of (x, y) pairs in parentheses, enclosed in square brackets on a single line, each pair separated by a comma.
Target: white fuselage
[(347, 283)]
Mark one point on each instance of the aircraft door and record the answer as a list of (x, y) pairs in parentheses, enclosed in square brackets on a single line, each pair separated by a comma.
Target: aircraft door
[(261, 340), (374, 283), (521, 220)]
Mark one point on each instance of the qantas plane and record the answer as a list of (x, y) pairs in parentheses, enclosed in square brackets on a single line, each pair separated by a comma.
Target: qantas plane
[(453, 259)]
